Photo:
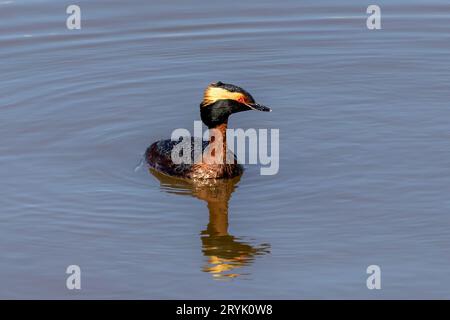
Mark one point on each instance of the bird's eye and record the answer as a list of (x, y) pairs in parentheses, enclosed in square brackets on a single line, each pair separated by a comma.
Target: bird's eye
[(241, 99)]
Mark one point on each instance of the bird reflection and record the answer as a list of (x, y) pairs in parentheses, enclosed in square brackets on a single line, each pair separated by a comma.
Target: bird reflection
[(225, 253)]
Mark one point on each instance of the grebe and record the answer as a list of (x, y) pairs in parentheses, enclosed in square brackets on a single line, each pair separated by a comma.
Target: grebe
[(220, 100)]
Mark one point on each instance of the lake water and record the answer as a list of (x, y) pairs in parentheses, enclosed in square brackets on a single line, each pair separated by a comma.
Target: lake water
[(364, 173)]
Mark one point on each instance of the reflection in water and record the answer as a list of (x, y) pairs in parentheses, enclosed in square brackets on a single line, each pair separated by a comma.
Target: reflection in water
[(225, 253)]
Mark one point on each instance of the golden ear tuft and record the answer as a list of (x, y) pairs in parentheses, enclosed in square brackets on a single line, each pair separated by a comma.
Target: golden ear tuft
[(214, 93)]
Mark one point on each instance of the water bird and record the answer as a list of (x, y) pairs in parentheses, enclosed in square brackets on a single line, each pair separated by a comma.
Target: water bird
[(220, 101)]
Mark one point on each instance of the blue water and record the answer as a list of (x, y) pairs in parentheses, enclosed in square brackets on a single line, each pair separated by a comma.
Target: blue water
[(364, 150)]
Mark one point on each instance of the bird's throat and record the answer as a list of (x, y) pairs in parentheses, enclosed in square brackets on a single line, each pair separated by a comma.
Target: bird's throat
[(217, 148)]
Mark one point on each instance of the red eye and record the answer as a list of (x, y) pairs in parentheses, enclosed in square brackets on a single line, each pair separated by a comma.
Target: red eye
[(241, 99)]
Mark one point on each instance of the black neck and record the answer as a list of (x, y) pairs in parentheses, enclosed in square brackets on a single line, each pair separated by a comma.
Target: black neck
[(217, 113)]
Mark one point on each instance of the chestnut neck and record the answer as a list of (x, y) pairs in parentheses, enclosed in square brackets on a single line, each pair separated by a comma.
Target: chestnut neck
[(216, 135), (219, 129)]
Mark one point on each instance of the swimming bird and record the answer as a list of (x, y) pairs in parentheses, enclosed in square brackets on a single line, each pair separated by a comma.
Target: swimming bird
[(220, 101)]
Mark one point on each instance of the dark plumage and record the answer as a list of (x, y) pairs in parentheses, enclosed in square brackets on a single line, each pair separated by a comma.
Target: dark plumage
[(159, 157)]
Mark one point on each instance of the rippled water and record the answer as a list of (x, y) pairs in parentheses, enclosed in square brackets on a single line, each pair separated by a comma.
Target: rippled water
[(364, 145)]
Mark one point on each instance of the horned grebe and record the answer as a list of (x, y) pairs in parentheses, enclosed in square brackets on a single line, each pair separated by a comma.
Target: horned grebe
[(220, 100)]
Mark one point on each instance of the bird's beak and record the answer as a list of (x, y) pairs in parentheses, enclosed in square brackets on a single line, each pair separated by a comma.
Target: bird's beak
[(258, 107)]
